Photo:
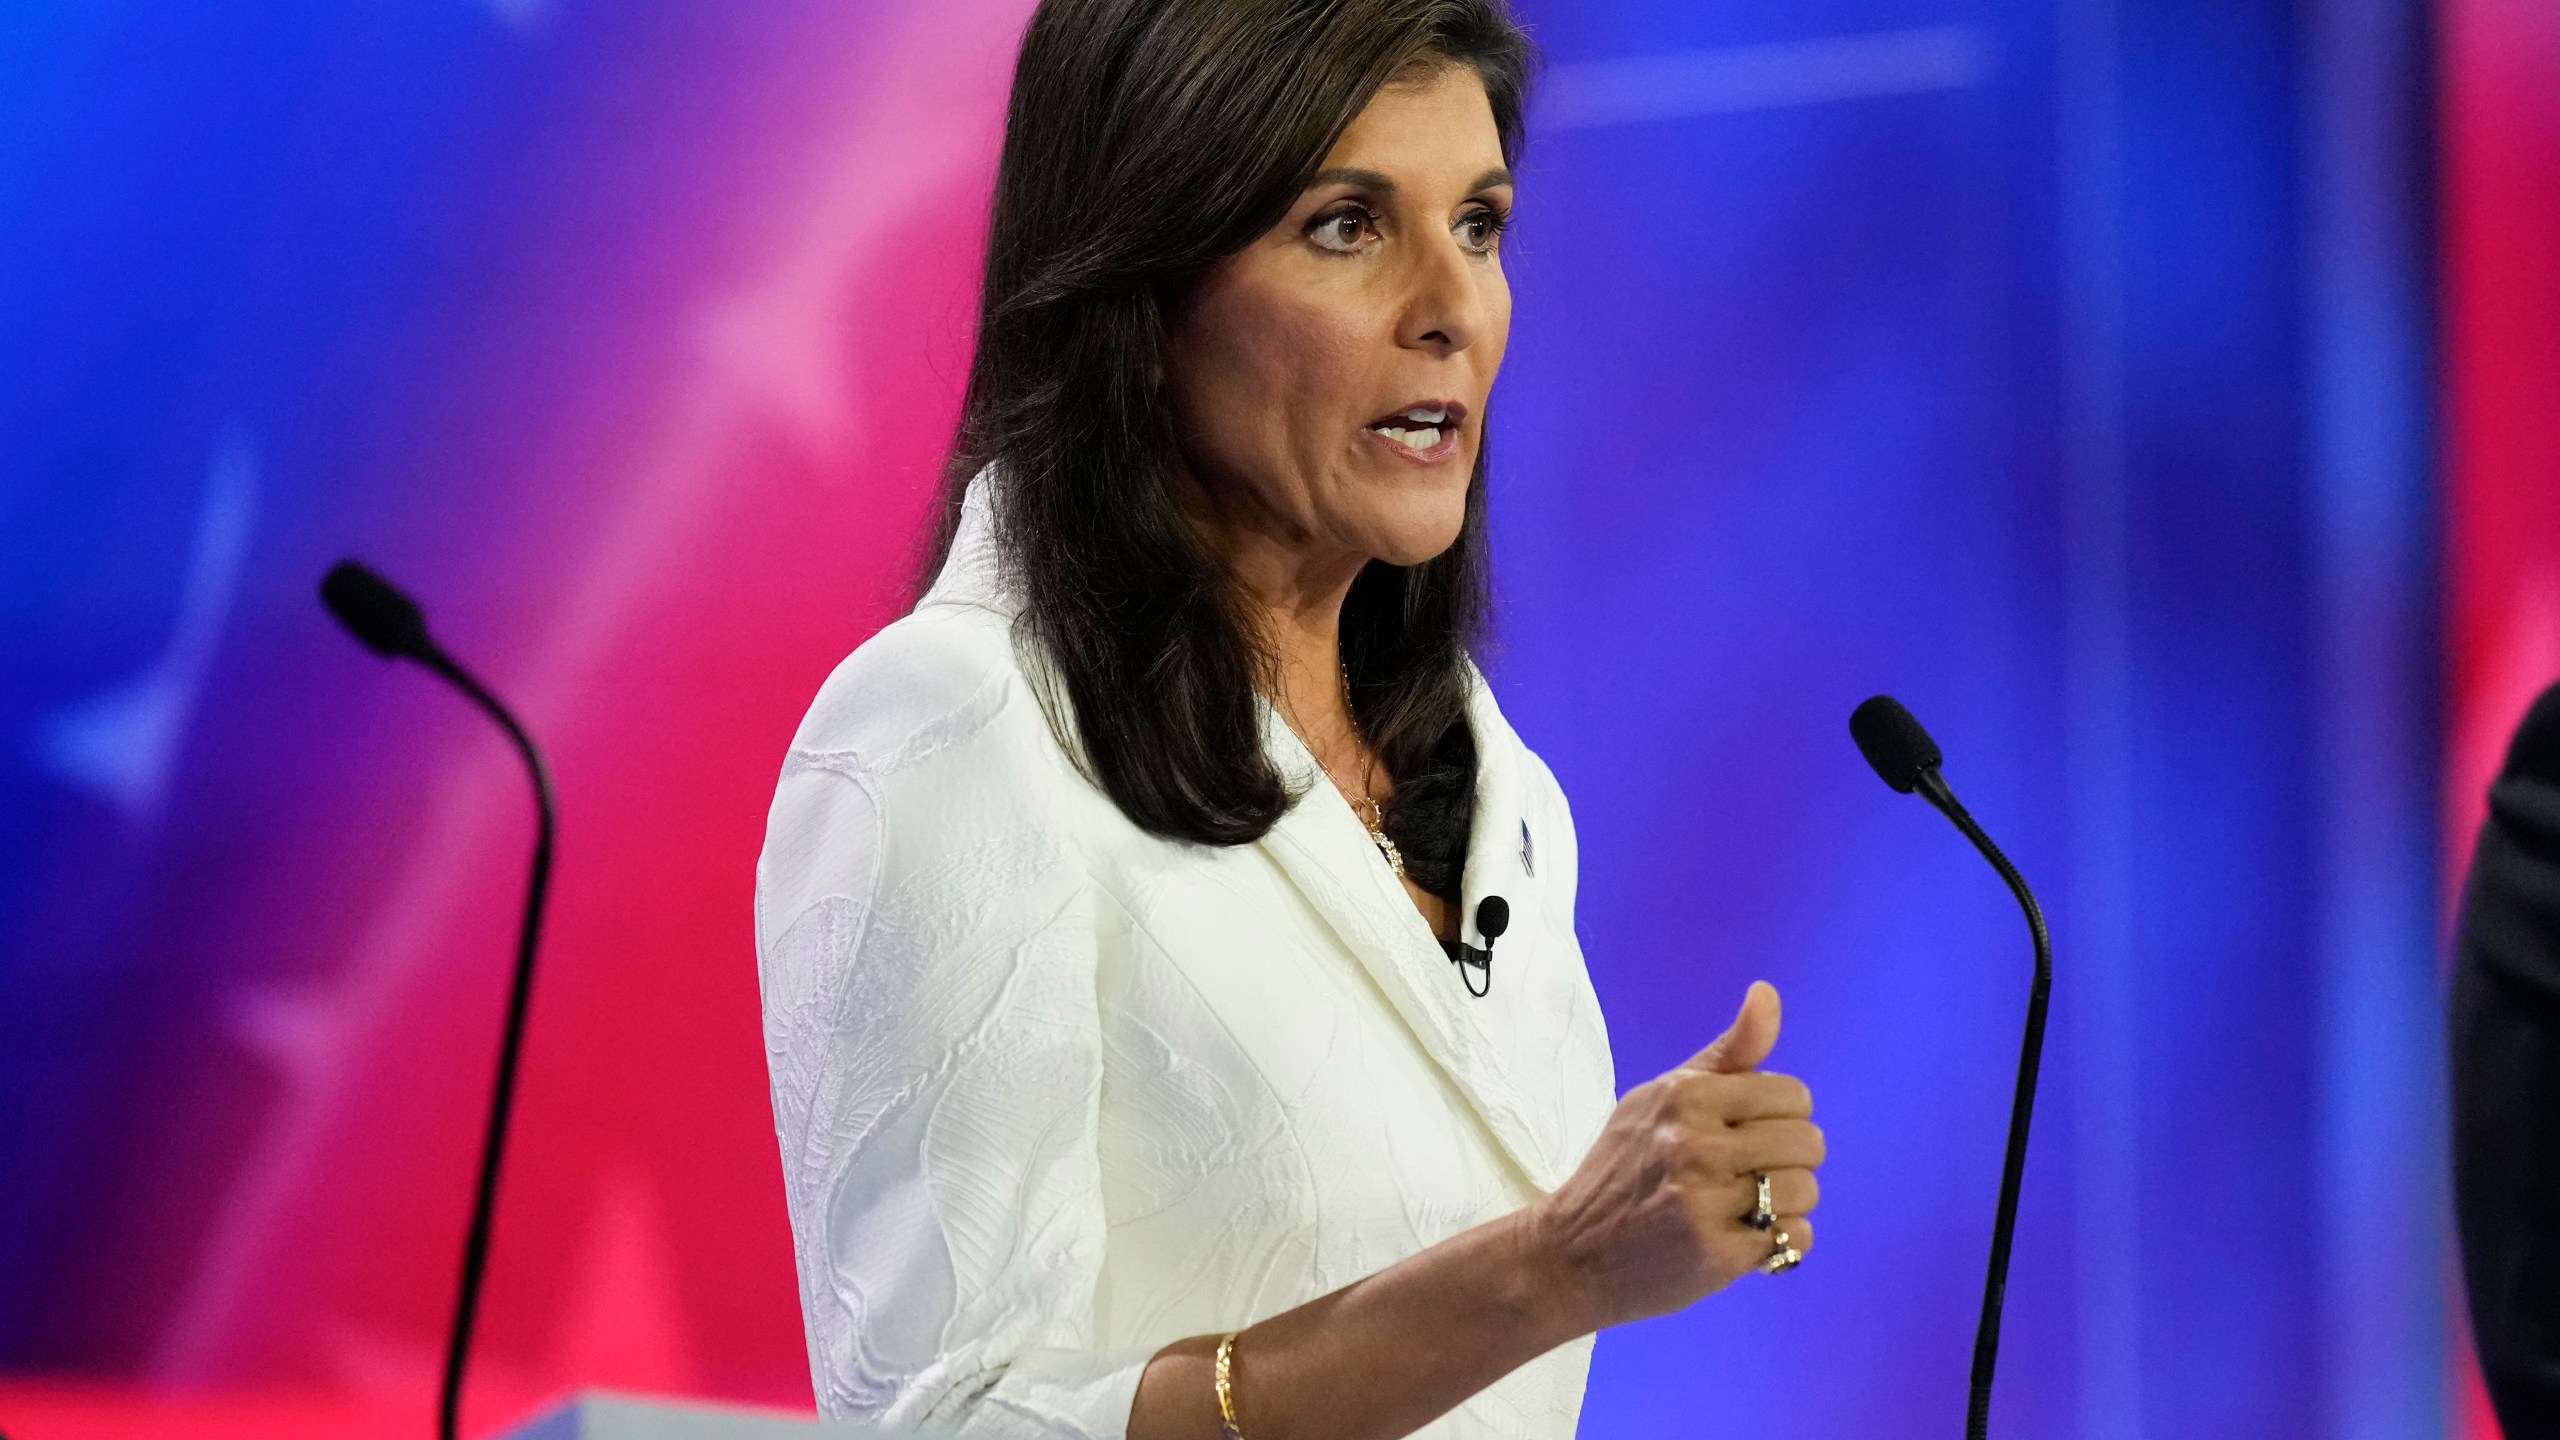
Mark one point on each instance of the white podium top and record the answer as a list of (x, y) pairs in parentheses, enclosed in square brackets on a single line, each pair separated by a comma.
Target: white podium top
[(599, 1415)]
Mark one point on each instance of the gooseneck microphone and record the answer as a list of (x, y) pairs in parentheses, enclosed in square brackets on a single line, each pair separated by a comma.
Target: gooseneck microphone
[(391, 625), (1908, 759)]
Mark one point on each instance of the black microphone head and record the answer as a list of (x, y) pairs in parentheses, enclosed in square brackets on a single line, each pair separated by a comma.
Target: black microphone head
[(375, 612), (1493, 916), (1893, 742)]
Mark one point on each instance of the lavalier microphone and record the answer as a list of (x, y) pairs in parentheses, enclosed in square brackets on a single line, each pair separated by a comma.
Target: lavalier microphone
[(1493, 916)]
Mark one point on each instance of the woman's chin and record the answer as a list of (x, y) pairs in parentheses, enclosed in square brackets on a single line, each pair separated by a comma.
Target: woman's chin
[(1414, 527)]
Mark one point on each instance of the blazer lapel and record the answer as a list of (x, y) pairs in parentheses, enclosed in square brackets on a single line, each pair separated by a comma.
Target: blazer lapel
[(1328, 855), (1498, 1051)]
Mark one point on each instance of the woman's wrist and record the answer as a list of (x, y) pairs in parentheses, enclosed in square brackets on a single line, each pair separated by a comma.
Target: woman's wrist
[(1557, 1300), (1483, 1302)]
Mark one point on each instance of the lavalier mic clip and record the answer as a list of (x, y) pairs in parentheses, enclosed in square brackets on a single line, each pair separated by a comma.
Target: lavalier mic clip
[(1493, 916)]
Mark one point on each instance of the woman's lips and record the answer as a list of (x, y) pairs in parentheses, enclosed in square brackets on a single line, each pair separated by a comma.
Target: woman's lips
[(1425, 432)]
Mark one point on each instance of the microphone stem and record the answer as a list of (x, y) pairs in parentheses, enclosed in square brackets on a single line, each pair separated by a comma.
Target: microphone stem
[(493, 1144), (1986, 1337)]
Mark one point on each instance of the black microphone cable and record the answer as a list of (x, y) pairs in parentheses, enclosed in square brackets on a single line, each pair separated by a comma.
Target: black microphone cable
[(390, 624), (1908, 759)]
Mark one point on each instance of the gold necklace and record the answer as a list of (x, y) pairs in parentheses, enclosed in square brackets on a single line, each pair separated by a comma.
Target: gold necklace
[(1364, 806)]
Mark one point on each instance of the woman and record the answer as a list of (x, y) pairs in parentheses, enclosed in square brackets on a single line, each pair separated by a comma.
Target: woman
[(1138, 1059)]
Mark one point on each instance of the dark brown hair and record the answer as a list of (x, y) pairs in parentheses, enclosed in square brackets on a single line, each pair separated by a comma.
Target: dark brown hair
[(1146, 141)]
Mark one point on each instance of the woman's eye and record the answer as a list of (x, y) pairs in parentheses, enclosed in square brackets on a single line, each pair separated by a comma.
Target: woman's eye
[(1481, 231), (1341, 230)]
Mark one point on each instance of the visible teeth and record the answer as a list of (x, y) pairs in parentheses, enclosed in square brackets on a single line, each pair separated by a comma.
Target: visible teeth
[(1424, 416), (1422, 439)]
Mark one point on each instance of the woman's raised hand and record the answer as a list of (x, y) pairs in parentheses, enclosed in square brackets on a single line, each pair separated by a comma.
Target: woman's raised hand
[(1655, 1217)]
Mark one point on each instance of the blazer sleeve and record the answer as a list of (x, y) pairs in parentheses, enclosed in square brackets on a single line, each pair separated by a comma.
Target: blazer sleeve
[(927, 959)]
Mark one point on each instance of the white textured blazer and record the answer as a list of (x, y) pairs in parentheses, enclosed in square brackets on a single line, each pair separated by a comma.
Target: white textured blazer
[(1054, 1092)]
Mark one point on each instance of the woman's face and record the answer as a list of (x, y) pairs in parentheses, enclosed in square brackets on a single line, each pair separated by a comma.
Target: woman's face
[(1329, 380)]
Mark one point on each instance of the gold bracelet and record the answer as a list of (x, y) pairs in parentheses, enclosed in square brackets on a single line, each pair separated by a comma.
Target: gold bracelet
[(1227, 1388)]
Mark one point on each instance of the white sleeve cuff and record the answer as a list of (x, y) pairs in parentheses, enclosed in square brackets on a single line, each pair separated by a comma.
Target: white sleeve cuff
[(1068, 1394)]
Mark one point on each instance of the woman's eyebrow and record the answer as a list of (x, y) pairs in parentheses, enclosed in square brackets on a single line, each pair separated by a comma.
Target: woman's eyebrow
[(1365, 179), (1378, 181)]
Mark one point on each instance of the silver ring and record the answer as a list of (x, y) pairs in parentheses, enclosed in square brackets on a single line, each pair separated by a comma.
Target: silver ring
[(1762, 1215), (1784, 1258)]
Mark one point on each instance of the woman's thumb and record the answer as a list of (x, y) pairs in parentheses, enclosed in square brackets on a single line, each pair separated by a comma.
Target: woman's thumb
[(1751, 1036)]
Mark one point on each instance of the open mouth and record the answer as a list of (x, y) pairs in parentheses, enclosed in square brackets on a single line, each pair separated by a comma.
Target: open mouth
[(1423, 426)]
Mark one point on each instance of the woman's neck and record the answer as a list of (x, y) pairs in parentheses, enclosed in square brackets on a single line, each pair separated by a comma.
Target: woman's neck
[(1303, 637), (1291, 585), (1294, 600)]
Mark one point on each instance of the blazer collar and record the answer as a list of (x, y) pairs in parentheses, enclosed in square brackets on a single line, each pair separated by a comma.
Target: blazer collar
[(973, 573), (1482, 1045)]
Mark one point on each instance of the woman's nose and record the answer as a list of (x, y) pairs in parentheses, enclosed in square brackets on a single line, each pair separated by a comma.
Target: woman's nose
[(1444, 311)]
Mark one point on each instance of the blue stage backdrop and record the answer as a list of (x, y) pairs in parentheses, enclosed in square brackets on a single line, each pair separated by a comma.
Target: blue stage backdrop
[(2058, 367)]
